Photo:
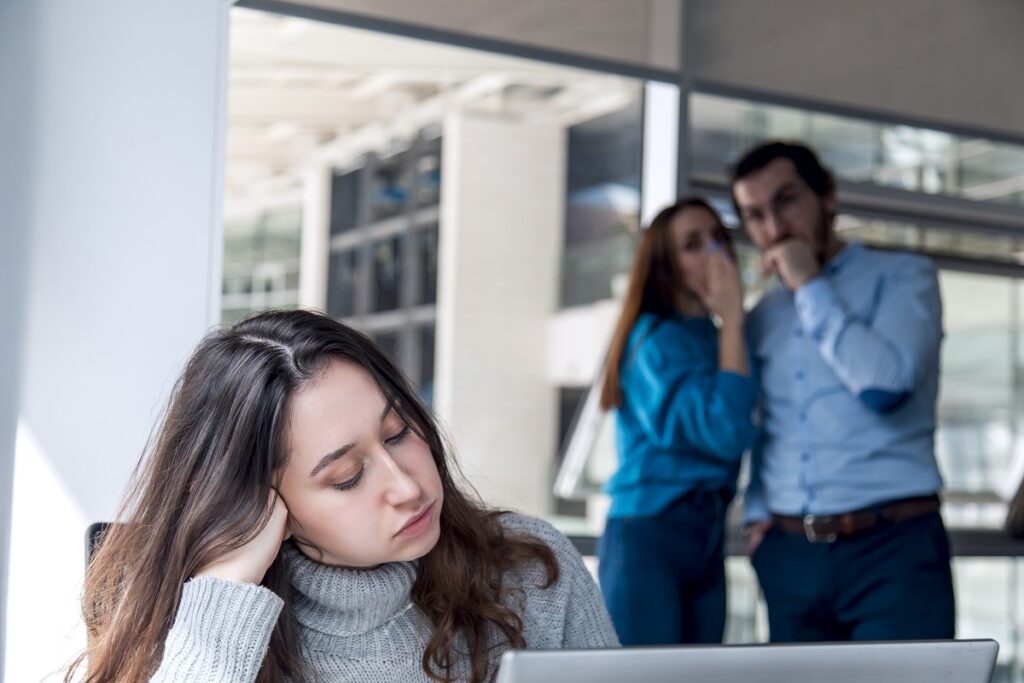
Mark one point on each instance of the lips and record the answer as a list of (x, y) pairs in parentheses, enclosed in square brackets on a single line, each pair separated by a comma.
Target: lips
[(418, 521)]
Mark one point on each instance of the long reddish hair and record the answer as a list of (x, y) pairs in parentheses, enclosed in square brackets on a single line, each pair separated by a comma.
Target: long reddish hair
[(203, 490), (654, 281)]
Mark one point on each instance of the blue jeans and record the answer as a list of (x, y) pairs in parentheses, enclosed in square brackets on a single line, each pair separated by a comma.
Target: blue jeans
[(891, 582), (663, 577)]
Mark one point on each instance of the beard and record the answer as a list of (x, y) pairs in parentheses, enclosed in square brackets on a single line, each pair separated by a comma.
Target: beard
[(823, 233)]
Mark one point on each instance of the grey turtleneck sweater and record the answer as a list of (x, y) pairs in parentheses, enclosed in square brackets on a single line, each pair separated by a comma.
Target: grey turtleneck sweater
[(361, 625)]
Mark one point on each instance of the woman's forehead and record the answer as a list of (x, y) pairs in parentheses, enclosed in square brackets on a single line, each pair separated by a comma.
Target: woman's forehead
[(343, 396), (694, 221)]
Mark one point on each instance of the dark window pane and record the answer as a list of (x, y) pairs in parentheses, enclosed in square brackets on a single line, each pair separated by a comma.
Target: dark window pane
[(892, 155), (570, 399), (344, 201), (387, 268), (428, 174), (426, 341), (343, 278), (388, 342), (603, 206), (426, 255), (389, 188)]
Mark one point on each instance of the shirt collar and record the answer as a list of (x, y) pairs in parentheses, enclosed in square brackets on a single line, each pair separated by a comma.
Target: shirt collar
[(845, 255)]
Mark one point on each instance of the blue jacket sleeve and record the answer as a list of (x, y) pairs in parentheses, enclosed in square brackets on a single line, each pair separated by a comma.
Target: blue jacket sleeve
[(880, 361), (679, 396), (755, 509)]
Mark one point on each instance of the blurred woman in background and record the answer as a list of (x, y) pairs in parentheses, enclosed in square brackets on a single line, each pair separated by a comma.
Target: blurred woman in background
[(683, 394)]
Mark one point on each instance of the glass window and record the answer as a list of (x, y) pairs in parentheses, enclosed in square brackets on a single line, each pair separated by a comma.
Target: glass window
[(389, 341), (426, 349), (886, 154), (387, 269), (426, 256), (345, 194), (389, 187), (603, 204), (570, 399), (261, 263), (930, 239), (980, 393), (428, 169), (343, 283)]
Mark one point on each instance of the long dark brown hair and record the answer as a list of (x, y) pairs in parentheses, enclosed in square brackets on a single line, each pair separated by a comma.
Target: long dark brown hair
[(653, 284), (203, 488)]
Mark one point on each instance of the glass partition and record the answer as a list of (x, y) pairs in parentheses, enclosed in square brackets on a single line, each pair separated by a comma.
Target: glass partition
[(261, 262), (373, 113), (921, 160)]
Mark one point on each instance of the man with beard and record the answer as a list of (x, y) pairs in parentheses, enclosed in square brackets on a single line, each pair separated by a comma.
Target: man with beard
[(842, 513)]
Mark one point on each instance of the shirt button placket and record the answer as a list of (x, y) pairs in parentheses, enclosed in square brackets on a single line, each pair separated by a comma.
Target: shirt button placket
[(800, 393)]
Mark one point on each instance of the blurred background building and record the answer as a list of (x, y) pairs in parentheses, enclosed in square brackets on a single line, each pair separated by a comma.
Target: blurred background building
[(465, 182)]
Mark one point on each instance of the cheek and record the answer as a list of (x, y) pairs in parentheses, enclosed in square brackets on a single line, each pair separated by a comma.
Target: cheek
[(759, 238), (422, 467), (808, 226), (315, 514), (692, 266), (344, 528)]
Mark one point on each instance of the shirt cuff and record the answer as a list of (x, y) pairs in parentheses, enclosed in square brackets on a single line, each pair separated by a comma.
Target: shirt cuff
[(754, 508), (821, 313), (741, 389)]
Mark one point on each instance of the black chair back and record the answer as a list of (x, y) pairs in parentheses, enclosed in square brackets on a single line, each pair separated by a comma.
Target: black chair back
[(93, 536)]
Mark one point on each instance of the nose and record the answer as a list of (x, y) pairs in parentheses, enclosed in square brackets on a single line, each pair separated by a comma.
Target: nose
[(401, 487), (775, 227)]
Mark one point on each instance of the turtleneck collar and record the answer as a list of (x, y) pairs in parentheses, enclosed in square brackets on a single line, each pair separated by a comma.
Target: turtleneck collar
[(348, 602)]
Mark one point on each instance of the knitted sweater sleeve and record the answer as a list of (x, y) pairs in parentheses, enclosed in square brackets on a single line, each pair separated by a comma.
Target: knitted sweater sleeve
[(220, 634), (574, 599), (587, 624)]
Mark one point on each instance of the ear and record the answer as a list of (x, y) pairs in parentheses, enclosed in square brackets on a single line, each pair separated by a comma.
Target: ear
[(831, 201)]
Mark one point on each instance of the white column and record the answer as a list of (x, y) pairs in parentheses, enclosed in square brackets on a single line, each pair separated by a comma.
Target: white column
[(315, 242), (119, 178), (502, 210), (661, 149), (17, 73)]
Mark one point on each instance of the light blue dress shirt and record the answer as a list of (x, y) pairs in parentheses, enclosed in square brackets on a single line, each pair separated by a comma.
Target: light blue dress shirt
[(683, 424), (849, 373)]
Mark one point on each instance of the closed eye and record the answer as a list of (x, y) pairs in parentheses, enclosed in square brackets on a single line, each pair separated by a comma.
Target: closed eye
[(345, 485), (397, 438)]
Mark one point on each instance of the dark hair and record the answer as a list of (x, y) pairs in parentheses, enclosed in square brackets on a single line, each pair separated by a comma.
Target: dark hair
[(204, 490), (651, 289), (807, 164)]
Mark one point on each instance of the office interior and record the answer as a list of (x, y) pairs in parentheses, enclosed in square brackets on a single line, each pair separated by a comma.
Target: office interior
[(465, 182)]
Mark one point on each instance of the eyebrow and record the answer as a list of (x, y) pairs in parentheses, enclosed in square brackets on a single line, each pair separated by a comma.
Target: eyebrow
[(789, 185), (700, 230), (337, 453)]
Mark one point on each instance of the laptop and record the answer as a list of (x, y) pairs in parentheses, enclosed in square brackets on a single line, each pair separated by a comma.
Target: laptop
[(946, 661)]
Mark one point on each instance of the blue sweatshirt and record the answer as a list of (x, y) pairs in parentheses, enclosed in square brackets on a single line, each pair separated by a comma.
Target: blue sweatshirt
[(683, 424)]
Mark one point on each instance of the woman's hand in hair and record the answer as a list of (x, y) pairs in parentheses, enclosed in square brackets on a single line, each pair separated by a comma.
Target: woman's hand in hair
[(249, 563), (724, 293)]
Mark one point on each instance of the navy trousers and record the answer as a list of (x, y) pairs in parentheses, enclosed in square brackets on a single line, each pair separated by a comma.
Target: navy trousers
[(663, 577), (891, 582)]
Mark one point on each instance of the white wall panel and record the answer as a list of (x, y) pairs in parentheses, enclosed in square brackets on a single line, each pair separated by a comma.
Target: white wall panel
[(944, 60), (119, 208), (630, 31)]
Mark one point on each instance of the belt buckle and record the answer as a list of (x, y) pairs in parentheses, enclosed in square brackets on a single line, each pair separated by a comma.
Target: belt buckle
[(812, 535)]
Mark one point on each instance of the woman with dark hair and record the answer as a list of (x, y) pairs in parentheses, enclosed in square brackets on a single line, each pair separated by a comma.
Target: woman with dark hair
[(298, 520), (683, 396)]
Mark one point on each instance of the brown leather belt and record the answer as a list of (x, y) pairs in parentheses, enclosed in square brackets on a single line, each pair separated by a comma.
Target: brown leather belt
[(828, 528)]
